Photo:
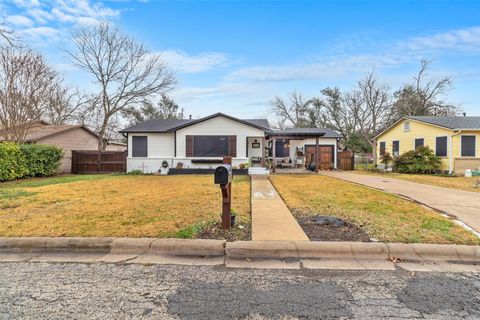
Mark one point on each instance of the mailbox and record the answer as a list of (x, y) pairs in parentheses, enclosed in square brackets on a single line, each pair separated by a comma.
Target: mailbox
[(223, 174)]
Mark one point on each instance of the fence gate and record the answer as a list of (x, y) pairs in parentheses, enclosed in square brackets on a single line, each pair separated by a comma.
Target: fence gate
[(84, 161), (346, 160)]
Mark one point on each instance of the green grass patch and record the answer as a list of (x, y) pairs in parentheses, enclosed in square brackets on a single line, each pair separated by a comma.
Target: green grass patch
[(383, 216), (40, 182)]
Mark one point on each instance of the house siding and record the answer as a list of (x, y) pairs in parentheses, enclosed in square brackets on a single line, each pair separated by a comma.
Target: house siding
[(75, 139), (294, 144), (217, 126), (429, 133)]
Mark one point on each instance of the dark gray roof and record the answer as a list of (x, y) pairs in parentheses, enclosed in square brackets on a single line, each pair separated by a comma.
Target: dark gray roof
[(156, 125), (324, 132), (455, 123), (175, 124)]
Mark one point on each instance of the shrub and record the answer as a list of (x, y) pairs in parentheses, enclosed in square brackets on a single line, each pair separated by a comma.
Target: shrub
[(12, 162), (42, 160), (422, 160), (135, 172)]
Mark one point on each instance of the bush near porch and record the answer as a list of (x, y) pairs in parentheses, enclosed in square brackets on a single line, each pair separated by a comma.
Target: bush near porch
[(383, 216), (115, 205)]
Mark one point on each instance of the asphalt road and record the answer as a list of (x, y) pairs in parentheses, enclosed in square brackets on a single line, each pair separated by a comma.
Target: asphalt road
[(107, 291)]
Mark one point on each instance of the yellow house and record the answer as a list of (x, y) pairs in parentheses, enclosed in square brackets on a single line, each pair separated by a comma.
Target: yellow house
[(454, 139)]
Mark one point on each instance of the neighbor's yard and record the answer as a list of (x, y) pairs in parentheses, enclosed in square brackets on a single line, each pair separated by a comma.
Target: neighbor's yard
[(460, 183), (383, 216), (109, 205)]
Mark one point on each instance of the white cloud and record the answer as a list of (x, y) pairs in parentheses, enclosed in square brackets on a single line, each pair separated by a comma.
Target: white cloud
[(39, 33), (41, 17), (183, 62), (19, 20), (411, 50), (467, 39)]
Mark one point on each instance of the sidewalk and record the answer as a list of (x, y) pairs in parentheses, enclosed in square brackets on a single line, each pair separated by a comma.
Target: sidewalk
[(463, 205), (271, 219)]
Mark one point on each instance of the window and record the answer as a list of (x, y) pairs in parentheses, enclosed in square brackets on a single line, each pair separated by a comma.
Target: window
[(139, 146), (382, 148), (210, 146), (419, 143), (468, 146), (282, 149), (395, 148), (441, 147), (406, 126)]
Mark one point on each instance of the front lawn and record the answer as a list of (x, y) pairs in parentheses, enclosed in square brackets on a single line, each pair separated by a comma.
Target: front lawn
[(461, 183), (383, 216), (116, 205)]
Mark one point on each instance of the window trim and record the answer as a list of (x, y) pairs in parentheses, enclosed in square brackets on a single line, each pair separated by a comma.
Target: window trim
[(398, 151), (474, 149), (380, 148), (146, 146), (415, 142), (446, 148), (404, 125), (208, 135)]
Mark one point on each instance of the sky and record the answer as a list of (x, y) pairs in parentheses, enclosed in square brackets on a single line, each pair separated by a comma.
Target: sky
[(236, 56)]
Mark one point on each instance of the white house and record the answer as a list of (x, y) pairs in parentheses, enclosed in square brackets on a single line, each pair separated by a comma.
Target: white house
[(201, 143)]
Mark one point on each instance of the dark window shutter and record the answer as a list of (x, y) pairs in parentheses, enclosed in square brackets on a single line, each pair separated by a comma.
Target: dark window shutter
[(139, 146), (189, 146), (441, 147), (468, 146), (419, 143), (382, 148), (232, 146)]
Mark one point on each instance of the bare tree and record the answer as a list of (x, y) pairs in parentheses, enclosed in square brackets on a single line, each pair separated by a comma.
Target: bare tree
[(6, 35), (166, 108), (423, 97), (296, 111), (26, 86), (65, 106), (374, 112), (124, 71), (335, 110)]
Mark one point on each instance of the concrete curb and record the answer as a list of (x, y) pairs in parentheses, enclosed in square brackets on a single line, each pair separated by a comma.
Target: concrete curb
[(287, 254)]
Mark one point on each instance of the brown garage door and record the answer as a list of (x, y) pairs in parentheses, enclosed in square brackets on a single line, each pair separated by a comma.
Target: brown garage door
[(325, 156)]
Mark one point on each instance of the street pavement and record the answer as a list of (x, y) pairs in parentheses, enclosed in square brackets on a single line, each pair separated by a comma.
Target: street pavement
[(121, 291)]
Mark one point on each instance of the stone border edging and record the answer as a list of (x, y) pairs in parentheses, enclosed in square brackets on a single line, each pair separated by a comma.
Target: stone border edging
[(242, 250)]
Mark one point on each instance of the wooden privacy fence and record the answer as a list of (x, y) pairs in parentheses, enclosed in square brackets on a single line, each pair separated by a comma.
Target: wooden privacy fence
[(346, 160), (84, 161)]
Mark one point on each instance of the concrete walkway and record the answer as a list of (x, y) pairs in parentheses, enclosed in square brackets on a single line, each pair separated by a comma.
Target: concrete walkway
[(463, 205), (271, 219)]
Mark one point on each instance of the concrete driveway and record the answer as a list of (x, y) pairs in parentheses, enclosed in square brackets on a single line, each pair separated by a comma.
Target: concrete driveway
[(463, 205)]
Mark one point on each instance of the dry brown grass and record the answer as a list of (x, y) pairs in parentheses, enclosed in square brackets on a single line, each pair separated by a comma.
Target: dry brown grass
[(383, 216), (126, 206), (461, 183)]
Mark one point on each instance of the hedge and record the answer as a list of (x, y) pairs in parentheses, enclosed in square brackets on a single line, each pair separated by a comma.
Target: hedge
[(421, 160), (42, 160), (12, 162), (28, 160)]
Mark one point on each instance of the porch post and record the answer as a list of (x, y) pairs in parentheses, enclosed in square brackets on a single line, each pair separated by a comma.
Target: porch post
[(317, 164), (263, 151), (273, 155)]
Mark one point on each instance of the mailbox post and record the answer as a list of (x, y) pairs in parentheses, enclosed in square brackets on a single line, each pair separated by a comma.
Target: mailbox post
[(223, 177)]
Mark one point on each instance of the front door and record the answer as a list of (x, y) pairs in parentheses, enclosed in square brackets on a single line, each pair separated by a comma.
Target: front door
[(325, 156)]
